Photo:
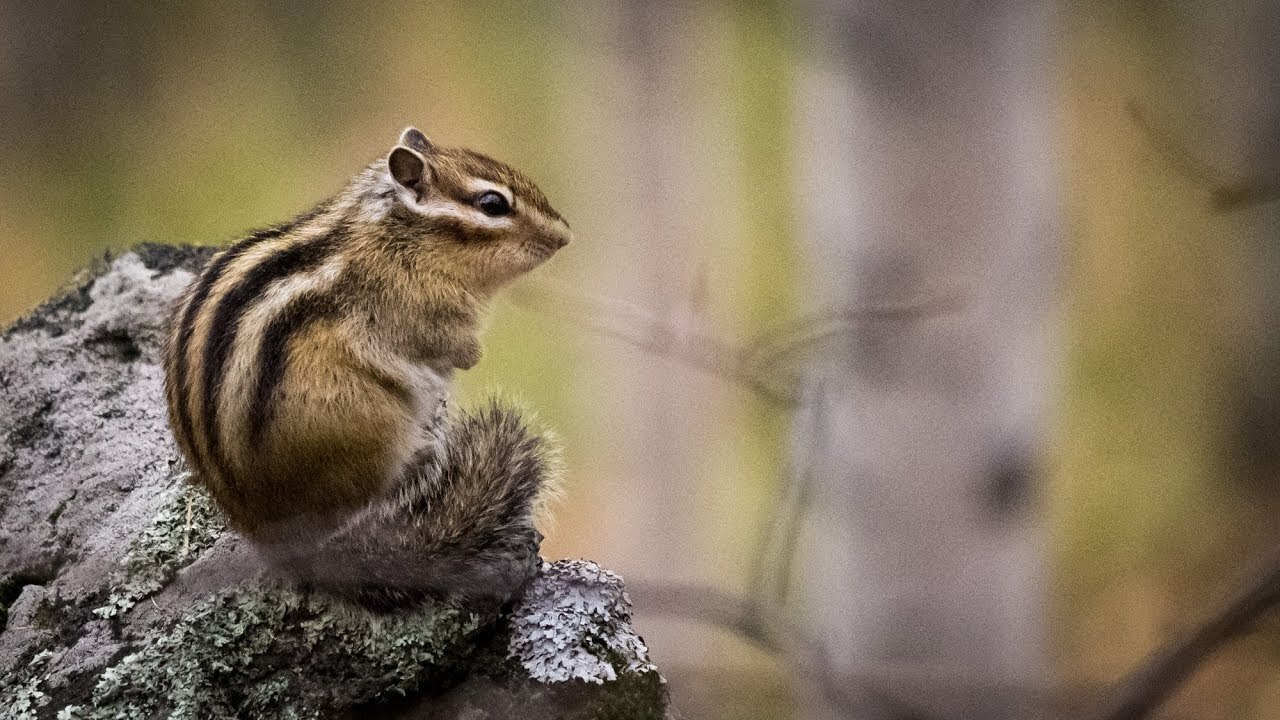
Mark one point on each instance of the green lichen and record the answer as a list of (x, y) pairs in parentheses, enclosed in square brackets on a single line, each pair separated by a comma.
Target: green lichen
[(20, 694), (188, 524), (273, 652)]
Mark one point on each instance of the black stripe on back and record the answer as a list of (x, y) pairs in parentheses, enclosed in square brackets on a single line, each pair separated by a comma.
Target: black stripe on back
[(208, 277), (186, 325), (225, 324), (273, 358), (273, 354)]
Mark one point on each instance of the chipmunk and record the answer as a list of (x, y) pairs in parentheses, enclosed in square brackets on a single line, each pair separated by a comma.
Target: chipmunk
[(308, 369)]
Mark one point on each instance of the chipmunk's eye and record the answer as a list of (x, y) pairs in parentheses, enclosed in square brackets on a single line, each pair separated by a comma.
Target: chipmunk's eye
[(493, 204)]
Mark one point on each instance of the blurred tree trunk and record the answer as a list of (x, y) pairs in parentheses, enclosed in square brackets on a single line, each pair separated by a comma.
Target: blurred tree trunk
[(925, 177), (657, 405)]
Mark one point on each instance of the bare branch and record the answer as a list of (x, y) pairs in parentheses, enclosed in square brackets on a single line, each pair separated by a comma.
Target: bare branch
[(771, 572), (1234, 196), (777, 348), (1175, 152), (1226, 193), (761, 366), (653, 335), (1152, 683)]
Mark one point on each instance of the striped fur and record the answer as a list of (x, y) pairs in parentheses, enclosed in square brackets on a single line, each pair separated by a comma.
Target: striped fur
[(306, 364)]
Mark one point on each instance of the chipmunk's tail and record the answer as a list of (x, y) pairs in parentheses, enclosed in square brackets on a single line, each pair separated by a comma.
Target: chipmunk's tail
[(460, 524)]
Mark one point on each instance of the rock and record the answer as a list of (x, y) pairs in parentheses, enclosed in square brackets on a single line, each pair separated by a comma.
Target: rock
[(122, 593), (22, 613)]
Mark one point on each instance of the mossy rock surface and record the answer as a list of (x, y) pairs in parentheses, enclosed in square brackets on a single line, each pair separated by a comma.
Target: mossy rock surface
[(122, 594)]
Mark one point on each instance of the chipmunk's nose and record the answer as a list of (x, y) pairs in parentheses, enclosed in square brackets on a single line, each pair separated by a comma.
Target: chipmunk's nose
[(555, 234)]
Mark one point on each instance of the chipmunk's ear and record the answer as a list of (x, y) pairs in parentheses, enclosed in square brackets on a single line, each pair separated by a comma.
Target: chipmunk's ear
[(413, 138), (409, 169)]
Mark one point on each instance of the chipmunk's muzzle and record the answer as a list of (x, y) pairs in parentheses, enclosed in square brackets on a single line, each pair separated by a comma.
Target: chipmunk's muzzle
[(554, 238)]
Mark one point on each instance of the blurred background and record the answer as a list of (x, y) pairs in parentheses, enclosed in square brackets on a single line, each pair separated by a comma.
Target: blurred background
[(914, 359)]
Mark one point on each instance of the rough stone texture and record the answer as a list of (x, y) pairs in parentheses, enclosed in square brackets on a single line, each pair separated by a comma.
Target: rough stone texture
[(566, 628), (123, 595)]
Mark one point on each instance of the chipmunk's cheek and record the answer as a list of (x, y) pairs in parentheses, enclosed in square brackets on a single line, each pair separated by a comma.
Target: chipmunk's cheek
[(507, 263)]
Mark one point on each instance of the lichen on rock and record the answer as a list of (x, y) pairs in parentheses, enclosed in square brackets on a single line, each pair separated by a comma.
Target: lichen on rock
[(275, 652), (575, 624), (187, 524)]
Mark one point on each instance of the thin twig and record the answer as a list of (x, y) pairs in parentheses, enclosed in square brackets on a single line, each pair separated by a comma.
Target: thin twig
[(758, 366), (774, 348), (1226, 193), (1175, 152), (772, 568), (1152, 683), (1246, 193), (622, 321)]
